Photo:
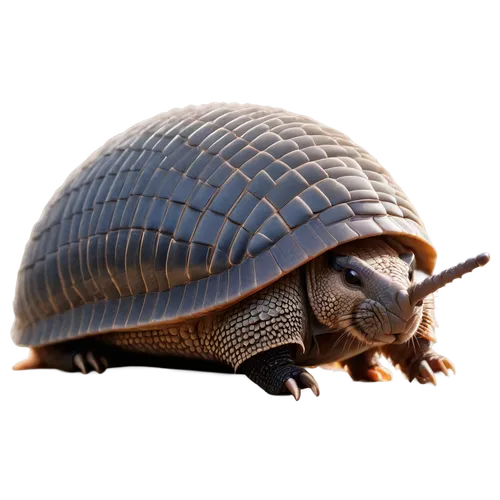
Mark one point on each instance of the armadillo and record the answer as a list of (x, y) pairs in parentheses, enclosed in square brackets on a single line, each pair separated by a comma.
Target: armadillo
[(244, 237)]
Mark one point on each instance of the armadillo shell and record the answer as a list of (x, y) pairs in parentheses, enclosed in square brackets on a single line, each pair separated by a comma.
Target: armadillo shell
[(194, 209)]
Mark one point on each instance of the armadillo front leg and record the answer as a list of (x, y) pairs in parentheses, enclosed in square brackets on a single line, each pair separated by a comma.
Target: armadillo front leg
[(416, 358), (261, 335), (276, 372), (365, 367)]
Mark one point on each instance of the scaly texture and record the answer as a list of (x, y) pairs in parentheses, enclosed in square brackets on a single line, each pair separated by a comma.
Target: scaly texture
[(272, 317), (330, 299), (194, 209)]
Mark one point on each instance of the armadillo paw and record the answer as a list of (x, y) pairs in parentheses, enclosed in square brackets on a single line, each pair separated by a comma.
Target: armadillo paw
[(86, 362), (430, 365), (303, 380), (361, 370), (378, 373)]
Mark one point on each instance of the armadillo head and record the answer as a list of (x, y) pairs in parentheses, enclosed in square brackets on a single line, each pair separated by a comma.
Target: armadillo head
[(366, 289)]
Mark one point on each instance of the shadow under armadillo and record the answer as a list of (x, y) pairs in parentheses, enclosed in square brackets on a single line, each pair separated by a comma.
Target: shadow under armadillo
[(117, 358)]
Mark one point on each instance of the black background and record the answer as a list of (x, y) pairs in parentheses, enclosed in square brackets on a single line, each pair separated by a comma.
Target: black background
[(421, 128)]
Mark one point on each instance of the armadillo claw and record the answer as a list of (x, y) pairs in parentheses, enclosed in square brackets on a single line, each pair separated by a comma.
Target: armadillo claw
[(432, 364), (442, 364), (308, 380), (88, 362), (378, 374), (93, 362), (302, 380), (292, 386), (104, 363), (425, 373), (447, 367), (363, 370), (79, 362)]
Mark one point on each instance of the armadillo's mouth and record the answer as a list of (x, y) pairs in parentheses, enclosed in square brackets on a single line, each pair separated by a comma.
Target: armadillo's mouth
[(374, 324), (408, 329), (366, 324)]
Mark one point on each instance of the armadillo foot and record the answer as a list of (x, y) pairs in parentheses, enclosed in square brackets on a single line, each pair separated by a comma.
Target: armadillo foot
[(365, 367), (68, 357), (276, 372), (433, 363), (420, 363)]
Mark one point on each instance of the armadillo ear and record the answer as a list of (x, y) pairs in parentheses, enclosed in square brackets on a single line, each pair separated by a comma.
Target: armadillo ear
[(409, 258)]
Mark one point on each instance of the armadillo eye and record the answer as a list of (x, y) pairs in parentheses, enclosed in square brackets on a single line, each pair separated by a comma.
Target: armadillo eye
[(352, 277)]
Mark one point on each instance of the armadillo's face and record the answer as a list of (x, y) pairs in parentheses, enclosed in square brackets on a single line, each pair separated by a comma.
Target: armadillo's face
[(361, 290)]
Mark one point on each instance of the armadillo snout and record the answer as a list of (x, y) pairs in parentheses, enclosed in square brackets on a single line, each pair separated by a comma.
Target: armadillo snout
[(403, 304), (403, 316)]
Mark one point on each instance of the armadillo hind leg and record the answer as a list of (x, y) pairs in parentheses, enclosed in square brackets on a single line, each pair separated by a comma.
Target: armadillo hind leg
[(256, 337), (80, 356), (366, 367)]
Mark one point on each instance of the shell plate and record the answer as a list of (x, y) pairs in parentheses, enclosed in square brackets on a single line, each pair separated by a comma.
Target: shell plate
[(194, 209)]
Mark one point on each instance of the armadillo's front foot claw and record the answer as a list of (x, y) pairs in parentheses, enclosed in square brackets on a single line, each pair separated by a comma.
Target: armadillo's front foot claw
[(425, 373), (276, 372), (417, 360), (430, 365), (87, 361), (301, 381)]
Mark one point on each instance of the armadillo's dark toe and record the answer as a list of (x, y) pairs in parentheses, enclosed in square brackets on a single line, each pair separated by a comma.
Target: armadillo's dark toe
[(87, 362)]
